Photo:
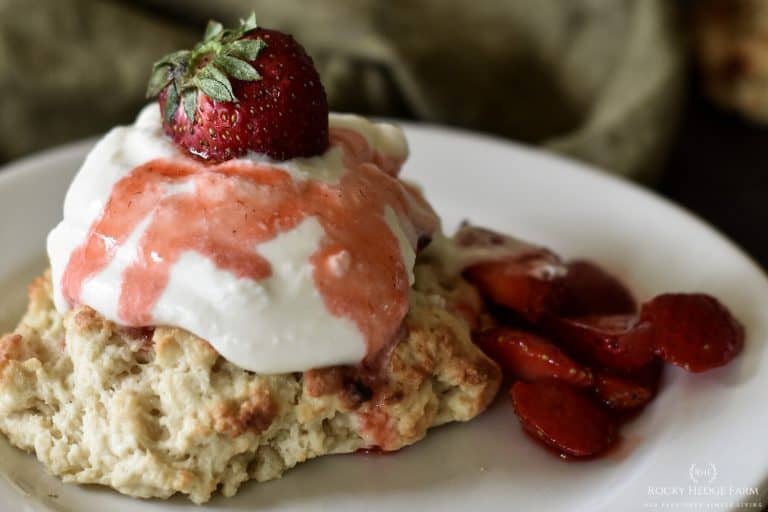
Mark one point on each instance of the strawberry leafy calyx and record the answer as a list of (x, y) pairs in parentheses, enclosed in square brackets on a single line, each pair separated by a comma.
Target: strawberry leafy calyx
[(207, 68)]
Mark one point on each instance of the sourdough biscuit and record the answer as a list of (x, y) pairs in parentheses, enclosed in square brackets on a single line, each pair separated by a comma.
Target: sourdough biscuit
[(154, 412)]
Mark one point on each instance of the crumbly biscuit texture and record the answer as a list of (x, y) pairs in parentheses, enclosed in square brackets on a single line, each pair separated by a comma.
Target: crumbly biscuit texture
[(154, 412)]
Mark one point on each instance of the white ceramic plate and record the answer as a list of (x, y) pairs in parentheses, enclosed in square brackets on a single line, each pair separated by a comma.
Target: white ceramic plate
[(702, 441)]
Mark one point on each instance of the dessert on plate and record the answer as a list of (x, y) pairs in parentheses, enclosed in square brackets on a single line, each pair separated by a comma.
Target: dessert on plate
[(241, 282), (235, 287)]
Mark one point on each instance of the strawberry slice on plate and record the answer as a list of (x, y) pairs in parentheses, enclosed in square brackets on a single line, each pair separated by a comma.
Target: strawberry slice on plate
[(620, 342), (529, 357), (529, 283), (563, 417), (590, 290), (694, 331), (628, 391)]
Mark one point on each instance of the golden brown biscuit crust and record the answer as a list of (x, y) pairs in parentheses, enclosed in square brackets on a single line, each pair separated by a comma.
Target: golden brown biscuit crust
[(153, 412)]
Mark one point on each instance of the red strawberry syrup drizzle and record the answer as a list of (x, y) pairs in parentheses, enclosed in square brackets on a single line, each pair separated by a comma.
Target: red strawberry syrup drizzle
[(234, 206)]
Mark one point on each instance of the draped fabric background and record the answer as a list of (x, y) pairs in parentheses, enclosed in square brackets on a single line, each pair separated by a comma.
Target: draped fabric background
[(600, 80)]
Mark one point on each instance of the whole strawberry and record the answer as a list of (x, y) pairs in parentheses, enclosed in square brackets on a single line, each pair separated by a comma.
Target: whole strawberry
[(240, 90)]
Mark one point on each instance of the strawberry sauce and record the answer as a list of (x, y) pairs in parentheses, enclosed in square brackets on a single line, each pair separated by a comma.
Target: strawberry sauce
[(225, 211)]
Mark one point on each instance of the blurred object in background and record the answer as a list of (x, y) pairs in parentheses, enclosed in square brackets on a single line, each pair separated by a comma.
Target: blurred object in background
[(718, 161), (731, 39), (600, 80), (72, 68), (717, 168)]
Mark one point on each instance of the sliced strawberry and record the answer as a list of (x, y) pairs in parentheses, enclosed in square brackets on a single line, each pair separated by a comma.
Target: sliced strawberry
[(621, 392), (693, 331), (529, 283), (529, 357), (619, 342), (629, 391), (563, 417), (649, 376), (590, 290)]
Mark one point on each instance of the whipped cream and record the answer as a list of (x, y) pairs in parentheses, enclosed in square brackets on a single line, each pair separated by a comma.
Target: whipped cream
[(277, 324)]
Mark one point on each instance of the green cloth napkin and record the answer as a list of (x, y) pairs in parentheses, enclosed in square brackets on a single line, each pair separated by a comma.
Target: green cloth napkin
[(596, 79)]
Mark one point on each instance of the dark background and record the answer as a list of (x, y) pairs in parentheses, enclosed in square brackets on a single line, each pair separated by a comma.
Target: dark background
[(718, 168)]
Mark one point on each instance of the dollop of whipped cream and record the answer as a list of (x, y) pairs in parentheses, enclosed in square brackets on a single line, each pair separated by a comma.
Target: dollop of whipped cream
[(280, 266)]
